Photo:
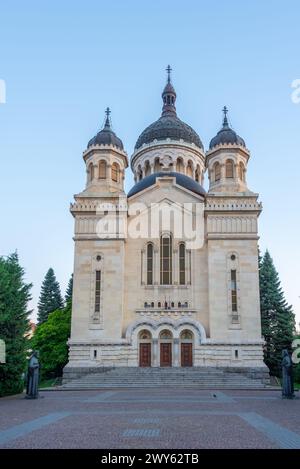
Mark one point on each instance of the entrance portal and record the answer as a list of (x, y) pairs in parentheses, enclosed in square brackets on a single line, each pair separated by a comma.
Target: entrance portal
[(145, 354), (186, 354), (145, 339), (165, 354), (186, 339)]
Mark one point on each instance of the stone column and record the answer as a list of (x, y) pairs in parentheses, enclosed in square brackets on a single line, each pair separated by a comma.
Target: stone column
[(176, 352), (155, 362)]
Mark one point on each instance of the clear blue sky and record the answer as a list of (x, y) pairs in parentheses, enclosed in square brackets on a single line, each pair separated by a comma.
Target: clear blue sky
[(64, 62)]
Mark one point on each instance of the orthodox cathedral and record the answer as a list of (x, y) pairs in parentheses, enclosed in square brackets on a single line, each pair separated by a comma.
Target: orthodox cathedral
[(147, 292)]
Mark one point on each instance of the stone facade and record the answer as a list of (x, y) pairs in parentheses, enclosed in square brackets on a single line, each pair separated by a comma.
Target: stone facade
[(208, 309)]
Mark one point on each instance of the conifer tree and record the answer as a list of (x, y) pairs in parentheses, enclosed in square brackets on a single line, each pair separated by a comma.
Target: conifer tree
[(14, 324), (50, 297), (277, 317), (69, 290)]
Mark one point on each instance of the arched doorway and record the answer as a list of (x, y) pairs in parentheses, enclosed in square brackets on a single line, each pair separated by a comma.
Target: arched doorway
[(166, 342), (145, 340), (186, 347)]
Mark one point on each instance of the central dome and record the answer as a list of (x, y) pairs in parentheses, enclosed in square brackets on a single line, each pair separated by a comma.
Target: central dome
[(169, 125)]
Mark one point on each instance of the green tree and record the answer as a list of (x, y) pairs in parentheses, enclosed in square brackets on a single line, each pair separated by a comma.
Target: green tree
[(69, 290), (50, 339), (277, 317), (14, 323), (50, 297)]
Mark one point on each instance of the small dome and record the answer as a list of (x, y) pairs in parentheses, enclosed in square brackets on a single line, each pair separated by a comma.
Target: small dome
[(168, 125), (181, 180), (106, 136), (226, 135)]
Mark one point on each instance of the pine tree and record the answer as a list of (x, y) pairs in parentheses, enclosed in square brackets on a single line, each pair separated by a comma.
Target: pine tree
[(14, 324), (50, 297), (69, 290), (277, 317)]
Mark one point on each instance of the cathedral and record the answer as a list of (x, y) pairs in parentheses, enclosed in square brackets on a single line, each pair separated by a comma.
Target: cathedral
[(166, 275)]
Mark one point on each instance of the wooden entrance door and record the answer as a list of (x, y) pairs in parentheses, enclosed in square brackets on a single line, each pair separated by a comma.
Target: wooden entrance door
[(165, 354), (186, 354), (145, 354)]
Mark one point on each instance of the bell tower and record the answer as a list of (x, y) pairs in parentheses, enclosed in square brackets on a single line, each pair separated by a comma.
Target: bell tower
[(226, 160)]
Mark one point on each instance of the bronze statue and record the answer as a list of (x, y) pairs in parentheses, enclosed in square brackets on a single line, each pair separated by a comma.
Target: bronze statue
[(32, 388), (287, 376)]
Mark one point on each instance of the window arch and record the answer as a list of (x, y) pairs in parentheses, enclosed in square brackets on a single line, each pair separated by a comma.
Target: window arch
[(147, 168), (150, 264), (189, 169), (181, 264), (115, 172), (217, 169), (241, 171), (166, 259), (157, 165), (229, 169), (179, 165), (102, 169), (91, 171)]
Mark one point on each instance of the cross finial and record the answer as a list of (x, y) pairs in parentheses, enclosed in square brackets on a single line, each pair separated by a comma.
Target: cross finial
[(107, 120), (169, 70), (225, 120)]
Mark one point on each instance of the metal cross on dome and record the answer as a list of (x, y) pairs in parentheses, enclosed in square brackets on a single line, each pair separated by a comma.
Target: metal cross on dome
[(169, 70)]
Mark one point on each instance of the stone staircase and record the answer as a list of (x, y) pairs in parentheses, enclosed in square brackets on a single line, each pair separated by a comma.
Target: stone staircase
[(135, 377)]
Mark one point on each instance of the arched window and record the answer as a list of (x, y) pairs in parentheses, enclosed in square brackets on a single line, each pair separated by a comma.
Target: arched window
[(147, 168), (150, 264), (166, 259), (181, 264), (189, 169), (115, 172), (242, 172), (159, 304), (229, 169), (217, 168), (145, 335), (157, 165), (186, 335), (91, 171), (102, 169), (179, 165), (165, 334)]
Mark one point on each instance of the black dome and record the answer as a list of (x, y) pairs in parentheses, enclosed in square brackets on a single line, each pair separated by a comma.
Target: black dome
[(226, 135), (181, 180), (106, 136), (169, 126)]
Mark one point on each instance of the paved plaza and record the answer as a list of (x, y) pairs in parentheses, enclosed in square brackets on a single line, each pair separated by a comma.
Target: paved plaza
[(150, 418)]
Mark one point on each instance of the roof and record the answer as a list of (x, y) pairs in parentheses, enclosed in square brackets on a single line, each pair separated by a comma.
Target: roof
[(181, 179)]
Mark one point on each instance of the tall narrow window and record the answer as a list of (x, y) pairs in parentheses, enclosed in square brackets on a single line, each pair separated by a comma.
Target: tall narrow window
[(233, 292), (102, 169), (97, 291), (166, 260), (150, 264), (229, 169), (91, 171), (217, 172), (182, 264), (241, 172), (115, 172)]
